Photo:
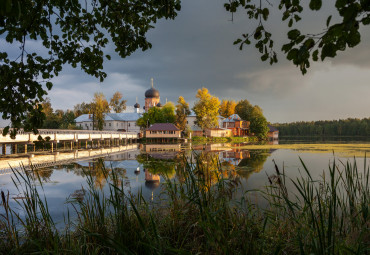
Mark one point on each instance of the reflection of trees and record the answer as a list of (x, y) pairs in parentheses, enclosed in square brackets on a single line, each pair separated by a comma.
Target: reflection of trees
[(253, 164), (209, 168), (99, 169), (43, 173), (164, 167)]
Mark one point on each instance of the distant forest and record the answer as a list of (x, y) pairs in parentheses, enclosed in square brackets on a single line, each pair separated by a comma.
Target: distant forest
[(347, 127)]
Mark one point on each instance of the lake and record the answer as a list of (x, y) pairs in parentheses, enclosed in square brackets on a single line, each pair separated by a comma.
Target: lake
[(143, 167)]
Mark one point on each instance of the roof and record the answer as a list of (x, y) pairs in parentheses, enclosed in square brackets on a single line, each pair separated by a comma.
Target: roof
[(152, 92), (272, 129), (163, 126), (123, 116), (232, 118)]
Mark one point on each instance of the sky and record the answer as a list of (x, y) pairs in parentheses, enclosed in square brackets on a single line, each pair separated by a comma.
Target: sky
[(196, 50)]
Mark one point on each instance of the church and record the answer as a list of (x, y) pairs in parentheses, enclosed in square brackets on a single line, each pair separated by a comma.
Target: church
[(126, 120)]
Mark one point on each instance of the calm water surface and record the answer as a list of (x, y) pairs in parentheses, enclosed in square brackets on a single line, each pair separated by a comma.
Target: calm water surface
[(142, 169)]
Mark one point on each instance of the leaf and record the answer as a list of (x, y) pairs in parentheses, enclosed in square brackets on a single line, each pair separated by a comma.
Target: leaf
[(328, 21), (290, 24), (238, 41), (315, 5), (264, 57), (315, 55), (329, 50), (49, 85), (293, 34), (5, 130)]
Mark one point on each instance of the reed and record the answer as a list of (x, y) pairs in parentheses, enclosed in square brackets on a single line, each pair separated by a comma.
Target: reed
[(198, 214)]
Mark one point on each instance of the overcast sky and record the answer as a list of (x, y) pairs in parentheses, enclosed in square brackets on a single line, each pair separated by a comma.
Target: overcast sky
[(196, 50)]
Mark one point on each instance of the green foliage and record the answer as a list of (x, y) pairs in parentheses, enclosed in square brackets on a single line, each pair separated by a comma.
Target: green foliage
[(70, 33), (347, 127), (301, 47), (206, 109), (244, 109), (164, 114), (182, 111), (258, 124)]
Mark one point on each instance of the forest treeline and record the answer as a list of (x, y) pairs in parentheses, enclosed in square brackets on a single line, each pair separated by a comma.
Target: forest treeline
[(347, 127)]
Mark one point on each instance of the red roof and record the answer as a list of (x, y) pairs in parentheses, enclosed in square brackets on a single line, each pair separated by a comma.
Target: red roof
[(163, 127)]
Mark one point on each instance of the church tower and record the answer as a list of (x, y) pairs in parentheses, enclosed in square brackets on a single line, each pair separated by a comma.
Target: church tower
[(151, 97)]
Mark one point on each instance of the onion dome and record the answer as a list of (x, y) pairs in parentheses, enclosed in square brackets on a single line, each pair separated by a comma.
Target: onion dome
[(159, 105), (152, 92), (136, 105)]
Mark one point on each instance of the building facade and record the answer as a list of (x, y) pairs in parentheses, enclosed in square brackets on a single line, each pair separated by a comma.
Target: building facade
[(238, 126), (163, 130), (125, 121)]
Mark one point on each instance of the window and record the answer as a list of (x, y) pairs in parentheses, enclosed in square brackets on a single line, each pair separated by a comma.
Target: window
[(187, 122), (110, 124), (90, 124), (128, 124), (117, 125), (105, 124)]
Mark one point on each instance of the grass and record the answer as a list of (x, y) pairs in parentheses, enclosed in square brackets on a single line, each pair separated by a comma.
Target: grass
[(325, 216)]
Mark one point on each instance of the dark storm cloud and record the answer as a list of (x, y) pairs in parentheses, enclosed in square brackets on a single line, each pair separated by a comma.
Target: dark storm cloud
[(196, 50)]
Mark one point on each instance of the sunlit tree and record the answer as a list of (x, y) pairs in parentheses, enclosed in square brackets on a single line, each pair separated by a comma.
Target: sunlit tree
[(100, 107), (182, 111), (116, 103), (206, 109), (227, 108)]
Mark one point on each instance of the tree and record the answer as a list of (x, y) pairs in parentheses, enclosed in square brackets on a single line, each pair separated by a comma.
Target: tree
[(168, 113), (244, 109), (258, 124), (116, 103), (165, 114), (69, 32), (227, 108), (83, 108), (182, 111), (206, 109), (100, 107), (302, 47)]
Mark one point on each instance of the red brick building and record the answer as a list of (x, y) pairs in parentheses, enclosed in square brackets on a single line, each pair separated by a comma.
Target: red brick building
[(238, 126)]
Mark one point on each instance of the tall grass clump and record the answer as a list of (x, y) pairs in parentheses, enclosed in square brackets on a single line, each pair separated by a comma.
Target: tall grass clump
[(198, 214)]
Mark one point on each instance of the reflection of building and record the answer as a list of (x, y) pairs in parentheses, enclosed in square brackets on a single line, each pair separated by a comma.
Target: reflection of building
[(162, 151), (238, 126), (273, 133), (149, 177), (163, 130), (235, 156)]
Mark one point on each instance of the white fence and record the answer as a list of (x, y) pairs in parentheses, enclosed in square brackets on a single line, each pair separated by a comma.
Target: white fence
[(57, 135)]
